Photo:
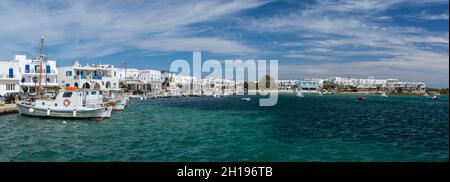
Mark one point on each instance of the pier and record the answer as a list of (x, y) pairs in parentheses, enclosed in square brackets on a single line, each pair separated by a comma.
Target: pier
[(8, 108)]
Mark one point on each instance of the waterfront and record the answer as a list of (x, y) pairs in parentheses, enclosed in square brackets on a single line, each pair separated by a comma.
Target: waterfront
[(328, 128)]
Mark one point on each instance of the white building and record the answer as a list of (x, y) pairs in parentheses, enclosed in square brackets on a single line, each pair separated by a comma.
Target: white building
[(287, 84), (149, 75), (29, 73), (188, 84), (128, 74), (9, 77), (311, 84), (99, 77), (397, 84), (372, 83), (151, 78)]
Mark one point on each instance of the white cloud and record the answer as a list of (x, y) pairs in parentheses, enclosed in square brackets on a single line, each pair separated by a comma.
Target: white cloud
[(417, 66), (331, 32), (428, 16), (94, 28)]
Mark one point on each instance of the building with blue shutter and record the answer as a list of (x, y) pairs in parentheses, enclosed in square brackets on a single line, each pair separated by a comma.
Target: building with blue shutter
[(9, 77)]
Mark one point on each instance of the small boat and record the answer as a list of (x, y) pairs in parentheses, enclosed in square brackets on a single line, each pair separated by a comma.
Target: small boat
[(300, 94), (384, 95), (426, 95), (118, 100), (119, 104), (433, 97), (320, 94), (362, 98), (246, 99), (71, 103)]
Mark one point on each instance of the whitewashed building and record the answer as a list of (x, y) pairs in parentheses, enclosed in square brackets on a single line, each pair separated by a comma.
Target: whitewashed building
[(99, 77), (9, 77), (287, 85), (29, 73), (151, 78), (311, 84)]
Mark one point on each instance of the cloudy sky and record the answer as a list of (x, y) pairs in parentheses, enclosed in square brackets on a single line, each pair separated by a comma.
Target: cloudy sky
[(406, 39)]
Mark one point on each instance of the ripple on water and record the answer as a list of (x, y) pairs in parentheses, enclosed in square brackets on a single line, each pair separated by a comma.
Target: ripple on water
[(328, 128)]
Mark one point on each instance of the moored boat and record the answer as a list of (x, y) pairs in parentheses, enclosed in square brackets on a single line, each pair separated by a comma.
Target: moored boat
[(299, 93), (71, 103)]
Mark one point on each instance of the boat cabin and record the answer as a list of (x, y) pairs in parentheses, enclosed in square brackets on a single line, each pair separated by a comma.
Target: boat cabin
[(72, 98)]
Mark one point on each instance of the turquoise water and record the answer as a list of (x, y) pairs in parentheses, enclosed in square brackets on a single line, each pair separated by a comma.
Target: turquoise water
[(328, 128)]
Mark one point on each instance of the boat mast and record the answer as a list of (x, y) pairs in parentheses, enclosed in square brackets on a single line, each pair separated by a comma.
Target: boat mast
[(41, 59)]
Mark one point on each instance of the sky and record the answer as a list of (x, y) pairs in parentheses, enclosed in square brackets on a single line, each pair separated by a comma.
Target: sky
[(405, 39)]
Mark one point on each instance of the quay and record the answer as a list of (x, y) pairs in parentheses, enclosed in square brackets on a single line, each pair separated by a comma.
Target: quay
[(8, 108)]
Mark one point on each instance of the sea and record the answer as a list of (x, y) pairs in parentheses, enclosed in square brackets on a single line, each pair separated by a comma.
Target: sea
[(328, 128)]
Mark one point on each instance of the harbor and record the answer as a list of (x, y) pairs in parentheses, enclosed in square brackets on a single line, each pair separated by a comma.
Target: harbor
[(334, 127), (39, 88)]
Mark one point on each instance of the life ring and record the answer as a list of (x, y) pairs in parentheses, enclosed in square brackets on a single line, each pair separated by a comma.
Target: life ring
[(66, 102)]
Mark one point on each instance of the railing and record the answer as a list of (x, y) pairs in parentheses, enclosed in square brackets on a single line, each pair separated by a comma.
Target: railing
[(37, 71), (8, 76)]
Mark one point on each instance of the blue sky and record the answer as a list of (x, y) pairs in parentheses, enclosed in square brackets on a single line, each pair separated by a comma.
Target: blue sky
[(406, 39)]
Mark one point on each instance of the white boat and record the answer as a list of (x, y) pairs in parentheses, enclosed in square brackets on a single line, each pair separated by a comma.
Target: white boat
[(71, 103), (300, 94), (119, 101), (119, 104), (434, 97), (384, 95), (426, 95), (246, 99)]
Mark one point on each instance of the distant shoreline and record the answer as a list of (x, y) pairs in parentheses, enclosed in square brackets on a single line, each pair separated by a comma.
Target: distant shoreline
[(343, 92)]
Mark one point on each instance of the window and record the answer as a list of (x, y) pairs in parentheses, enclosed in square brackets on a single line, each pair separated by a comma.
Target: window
[(68, 73), (67, 94), (67, 85), (93, 93), (10, 86)]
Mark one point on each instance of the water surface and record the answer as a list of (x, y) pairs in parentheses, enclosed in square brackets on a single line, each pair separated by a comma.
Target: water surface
[(328, 128)]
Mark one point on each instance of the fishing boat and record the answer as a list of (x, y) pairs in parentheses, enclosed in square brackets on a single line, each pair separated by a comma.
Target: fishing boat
[(246, 99), (119, 101), (384, 95), (70, 103)]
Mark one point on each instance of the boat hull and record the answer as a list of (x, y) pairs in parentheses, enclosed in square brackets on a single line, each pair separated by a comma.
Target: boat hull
[(83, 113), (119, 105)]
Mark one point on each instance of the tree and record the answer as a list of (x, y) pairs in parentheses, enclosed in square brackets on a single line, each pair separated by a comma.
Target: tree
[(166, 84), (268, 83)]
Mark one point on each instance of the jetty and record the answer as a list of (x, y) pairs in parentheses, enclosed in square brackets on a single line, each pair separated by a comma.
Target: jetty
[(8, 108)]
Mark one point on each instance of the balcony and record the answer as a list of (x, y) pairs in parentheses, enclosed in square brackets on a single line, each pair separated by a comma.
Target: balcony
[(32, 84), (32, 71), (9, 77), (97, 77)]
